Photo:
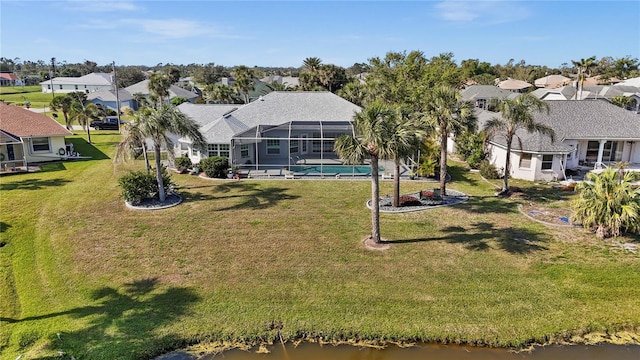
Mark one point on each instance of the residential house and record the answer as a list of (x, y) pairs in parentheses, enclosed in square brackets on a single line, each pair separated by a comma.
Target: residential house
[(589, 134), (87, 83), (514, 85), (27, 137), (276, 130), (142, 88), (561, 93), (110, 100), (485, 96), (552, 81), (10, 79), (287, 81)]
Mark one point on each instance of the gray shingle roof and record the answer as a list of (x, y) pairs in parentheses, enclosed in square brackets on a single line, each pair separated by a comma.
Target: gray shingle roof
[(575, 120), (280, 107), (474, 92), (174, 91), (110, 95), (205, 114)]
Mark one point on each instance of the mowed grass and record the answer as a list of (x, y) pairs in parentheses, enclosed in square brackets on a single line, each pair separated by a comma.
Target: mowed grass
[(248, 261)]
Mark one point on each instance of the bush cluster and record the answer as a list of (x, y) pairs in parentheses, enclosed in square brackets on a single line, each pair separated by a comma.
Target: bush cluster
[(470, 147), (215, 166), (488, 170), (140, 185), (183, 163)]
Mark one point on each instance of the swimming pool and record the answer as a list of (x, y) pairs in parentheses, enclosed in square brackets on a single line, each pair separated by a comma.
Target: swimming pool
[(334, 169)]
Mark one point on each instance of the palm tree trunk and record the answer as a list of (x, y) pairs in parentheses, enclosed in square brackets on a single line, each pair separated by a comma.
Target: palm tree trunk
[(161, 193), (396, 183), (443, 163), (375, 201), (88, 135), (146, 156), (507, 167)]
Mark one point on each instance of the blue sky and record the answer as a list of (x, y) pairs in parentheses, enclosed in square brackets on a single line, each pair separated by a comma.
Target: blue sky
[(283, 33)]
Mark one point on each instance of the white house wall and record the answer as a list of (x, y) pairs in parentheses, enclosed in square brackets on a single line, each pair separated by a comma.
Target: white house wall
[(55, 144), (67, 88), (497, 156)]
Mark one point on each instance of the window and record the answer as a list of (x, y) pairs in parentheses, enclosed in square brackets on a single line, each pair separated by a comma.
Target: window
[(273, 146), (525, 160), (244, 150), (294, 146), (75, 86), (60, 87), (40, 144), (218, 150), (547, 162), (184, 146), (49, 86)]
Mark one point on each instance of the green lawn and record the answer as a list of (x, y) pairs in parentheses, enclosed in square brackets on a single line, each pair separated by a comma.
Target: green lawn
[(246, 260)]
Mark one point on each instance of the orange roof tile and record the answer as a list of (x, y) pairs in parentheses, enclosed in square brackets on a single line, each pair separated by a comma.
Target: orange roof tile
[(25, 123)]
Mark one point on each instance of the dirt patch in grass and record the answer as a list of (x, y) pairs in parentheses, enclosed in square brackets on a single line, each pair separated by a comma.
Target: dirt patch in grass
[(548, 215)]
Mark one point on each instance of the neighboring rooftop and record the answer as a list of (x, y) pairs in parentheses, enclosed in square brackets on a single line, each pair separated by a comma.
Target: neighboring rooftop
[(25, 123)]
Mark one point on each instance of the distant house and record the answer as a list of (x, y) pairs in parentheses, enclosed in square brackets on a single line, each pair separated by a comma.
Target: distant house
[(561, 93), (10, 79), (484, 96), (87, 83), (514, 85), (174, 91), (287, 81), (109, 99), (589, 134), (27, 137), (552, 81), (276, 130)]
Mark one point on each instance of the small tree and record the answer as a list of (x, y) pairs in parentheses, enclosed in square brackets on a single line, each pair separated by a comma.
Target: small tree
[(608, 204)]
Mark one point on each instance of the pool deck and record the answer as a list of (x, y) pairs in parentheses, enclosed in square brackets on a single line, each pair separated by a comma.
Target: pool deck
[(284, 173)]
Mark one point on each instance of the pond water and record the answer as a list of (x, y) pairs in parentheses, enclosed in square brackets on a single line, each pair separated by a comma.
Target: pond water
[(432, 352)]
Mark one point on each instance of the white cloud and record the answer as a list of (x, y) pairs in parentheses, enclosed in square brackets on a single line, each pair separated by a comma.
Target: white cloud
[(483, 12), (101, 6)]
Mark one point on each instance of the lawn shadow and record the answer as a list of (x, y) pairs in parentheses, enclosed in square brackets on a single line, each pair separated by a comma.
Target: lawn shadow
[(81, 146), (32, 184), (4, 226), (460, 174), (488, 204), (478, 235), (252, 195), (543, 193), (130, 317)]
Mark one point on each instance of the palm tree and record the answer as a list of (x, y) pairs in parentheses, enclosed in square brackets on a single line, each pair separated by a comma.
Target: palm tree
[(354, 92), (133, 141), (219, 93), (243, 77), (451, 114), (159, 85), (608, 204), (311, 64), (155, 124), (403, 141), (372, 127), (517, 114), (64, 104), (83, 114), (583, 66)]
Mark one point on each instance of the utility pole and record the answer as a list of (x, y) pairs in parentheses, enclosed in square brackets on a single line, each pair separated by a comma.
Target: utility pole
[(51, 72), (115, 84)]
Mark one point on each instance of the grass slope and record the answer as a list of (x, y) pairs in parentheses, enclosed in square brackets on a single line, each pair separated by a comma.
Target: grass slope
[(247, 260)]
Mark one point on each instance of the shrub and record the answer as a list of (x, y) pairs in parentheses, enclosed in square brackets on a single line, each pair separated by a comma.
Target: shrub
[(183, 163), (137, 186), (470, 147), (408, 200), (140, 185), (488, 170), (429, 159), (215, 166)]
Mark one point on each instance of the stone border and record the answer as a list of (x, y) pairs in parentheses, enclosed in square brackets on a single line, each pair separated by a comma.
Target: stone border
[(172, 200), (453, 197)]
